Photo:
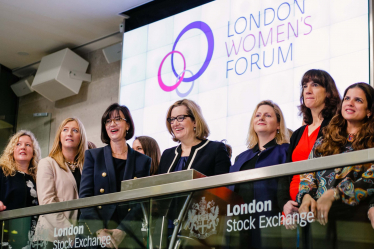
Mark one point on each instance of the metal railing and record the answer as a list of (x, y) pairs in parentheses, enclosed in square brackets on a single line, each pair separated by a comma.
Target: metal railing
[(335, 161)]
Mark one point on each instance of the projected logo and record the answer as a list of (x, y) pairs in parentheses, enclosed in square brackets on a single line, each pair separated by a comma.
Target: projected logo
[(181, 76)]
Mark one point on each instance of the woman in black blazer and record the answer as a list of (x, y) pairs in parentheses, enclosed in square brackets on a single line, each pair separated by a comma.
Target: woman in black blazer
[(187, 126), (104, 169)]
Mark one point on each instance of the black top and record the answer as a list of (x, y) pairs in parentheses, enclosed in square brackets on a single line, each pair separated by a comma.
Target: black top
[(119, 167), (77, 176), (284, 182)]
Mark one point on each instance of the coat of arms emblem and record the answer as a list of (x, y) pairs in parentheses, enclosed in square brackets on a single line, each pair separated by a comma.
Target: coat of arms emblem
[(202, 219)]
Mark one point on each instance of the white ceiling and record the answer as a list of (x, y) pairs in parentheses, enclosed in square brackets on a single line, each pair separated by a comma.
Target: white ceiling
[(41, 27)]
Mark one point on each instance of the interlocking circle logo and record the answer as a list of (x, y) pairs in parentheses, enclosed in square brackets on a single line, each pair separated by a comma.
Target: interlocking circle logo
[(181, 77)]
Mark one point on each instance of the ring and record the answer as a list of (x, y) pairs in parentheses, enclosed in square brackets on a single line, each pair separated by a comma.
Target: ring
[(322, 216)]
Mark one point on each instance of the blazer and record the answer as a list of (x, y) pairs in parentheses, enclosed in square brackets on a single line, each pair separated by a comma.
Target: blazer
[(208, 157), (99, 174), (284, 182), (55, 185)]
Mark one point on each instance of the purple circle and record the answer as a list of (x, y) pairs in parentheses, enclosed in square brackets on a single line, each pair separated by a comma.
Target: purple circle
[(182, 95), (209, 35)]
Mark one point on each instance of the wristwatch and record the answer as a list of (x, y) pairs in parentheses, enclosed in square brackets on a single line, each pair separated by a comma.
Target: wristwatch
[(336, 194)]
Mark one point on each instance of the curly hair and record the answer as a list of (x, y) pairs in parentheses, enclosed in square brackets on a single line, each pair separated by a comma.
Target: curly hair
[(332, 100), (335, 134), (7, 162)]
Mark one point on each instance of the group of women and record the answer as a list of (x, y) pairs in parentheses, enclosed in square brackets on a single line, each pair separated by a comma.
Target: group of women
[(71, 171)]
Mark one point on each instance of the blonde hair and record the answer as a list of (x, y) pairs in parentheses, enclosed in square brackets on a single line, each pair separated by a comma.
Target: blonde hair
[(7, 162), (56, 151), (281, 138), (193, 109)]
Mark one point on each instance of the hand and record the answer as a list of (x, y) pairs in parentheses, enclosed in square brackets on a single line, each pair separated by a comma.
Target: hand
[(308, 204), (2, 206), (371, 216), (117, 236), (103, 234), (323, 206), (289, 208)]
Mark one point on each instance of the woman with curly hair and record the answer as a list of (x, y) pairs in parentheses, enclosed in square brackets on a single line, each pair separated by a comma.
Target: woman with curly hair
[(18, 165), (334, 193)]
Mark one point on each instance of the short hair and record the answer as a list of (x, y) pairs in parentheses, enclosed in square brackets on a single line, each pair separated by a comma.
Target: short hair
[(194, 110), (56, 151), (332, 100), (7, 162), (281, 138), (108, 112), (151, 149)]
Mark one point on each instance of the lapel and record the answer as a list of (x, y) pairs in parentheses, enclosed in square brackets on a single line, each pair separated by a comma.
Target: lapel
[(110, 169), (248, 155), (130, 164), (71, 178)]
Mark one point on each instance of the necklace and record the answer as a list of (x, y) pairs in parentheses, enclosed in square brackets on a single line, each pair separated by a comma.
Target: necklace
[(351, 137), (72, 166), (119, 154)]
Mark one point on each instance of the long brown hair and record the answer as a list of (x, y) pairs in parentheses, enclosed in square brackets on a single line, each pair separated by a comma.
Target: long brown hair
[(151, 149), (335, 134), (56, 151), (332, 100)]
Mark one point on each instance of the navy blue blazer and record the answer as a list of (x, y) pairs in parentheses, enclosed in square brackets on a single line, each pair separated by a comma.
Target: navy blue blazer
[(99, 173), (208, 157)]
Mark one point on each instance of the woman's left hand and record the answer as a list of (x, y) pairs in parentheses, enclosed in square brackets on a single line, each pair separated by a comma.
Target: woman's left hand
[(117, 236), (371, 216), (323, 206)]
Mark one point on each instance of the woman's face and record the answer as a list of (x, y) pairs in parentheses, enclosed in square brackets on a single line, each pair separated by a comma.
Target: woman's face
[(116, 129), (24, 150), (314, 95), (70, 136), (136, 145), (354, 106), (185, 129), (265, 121)]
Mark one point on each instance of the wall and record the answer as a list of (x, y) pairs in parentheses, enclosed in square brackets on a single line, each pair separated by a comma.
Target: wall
[(88, 105)]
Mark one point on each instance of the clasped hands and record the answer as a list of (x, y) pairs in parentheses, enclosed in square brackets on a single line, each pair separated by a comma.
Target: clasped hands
[(116, 236), (319, 208)]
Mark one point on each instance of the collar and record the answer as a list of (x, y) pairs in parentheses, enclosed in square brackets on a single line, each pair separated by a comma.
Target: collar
[(179, 148), (268, 145)]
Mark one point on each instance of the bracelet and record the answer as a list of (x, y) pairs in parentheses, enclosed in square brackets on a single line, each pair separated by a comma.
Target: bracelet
[(336, 194)]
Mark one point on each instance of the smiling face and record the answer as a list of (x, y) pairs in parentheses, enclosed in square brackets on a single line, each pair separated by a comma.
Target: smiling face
[(265, 121), (314, 95), (136, 145), (70, 136), (117, 130), (184, 130), (354, 106), (24, 150)]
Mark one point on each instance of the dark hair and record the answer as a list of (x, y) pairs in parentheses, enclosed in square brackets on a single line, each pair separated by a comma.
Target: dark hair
[(228, 147), (335, 134), (91, 145), (332, 100), (116, 108), (151, 149)]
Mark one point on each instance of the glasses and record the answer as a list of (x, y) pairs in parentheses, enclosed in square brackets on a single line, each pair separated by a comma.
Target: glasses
[(179, 118), (116, 120)]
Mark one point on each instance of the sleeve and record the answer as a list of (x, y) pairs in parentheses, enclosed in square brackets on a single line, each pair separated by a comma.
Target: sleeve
[(353, 192), (222, 160), (47, 193), (308, 185), (89, 216)]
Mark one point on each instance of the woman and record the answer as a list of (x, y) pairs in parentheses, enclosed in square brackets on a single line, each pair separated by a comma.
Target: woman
[(187, 126), (268, 142), (105, 168), (59, 176), (18, 165), (351, 129), (319, 101), (148, 146)]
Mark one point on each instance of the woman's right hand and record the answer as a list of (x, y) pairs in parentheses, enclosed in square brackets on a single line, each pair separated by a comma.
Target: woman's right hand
[(308, 204), (289, 208), (2, 206)]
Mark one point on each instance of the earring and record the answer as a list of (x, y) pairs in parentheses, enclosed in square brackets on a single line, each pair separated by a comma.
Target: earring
[(194, 129), (278, 131), (127, 131)]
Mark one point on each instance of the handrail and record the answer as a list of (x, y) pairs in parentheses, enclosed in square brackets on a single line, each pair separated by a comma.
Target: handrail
[(335, 161)]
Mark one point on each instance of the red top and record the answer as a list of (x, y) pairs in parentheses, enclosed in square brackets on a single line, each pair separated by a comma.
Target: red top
[(300, 153)]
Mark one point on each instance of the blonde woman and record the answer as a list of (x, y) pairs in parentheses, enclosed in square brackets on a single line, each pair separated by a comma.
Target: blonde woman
[(59, 175), (18, 165), (268, 140)]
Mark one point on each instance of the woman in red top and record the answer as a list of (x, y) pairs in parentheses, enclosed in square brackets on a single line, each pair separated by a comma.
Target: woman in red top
[(319, 101)]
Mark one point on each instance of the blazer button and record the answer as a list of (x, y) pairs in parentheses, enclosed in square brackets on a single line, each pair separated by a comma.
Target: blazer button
[(99, 207), (135, 177), (103, 174), (101, 190), (129, 210)]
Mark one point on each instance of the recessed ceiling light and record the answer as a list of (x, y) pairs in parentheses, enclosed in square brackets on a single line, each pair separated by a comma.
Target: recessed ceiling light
[(23, 53)]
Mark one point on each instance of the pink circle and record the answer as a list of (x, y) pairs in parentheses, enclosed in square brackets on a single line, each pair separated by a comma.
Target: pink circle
[(162, 85)]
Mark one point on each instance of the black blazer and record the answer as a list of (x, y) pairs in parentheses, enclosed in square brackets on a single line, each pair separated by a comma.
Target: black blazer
[(99, 173), (208, 157), (285, 182)]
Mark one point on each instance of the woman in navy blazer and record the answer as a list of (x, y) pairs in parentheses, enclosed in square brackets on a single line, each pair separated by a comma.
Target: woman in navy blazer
[(186, 124), (104, 169), (268, 142)]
